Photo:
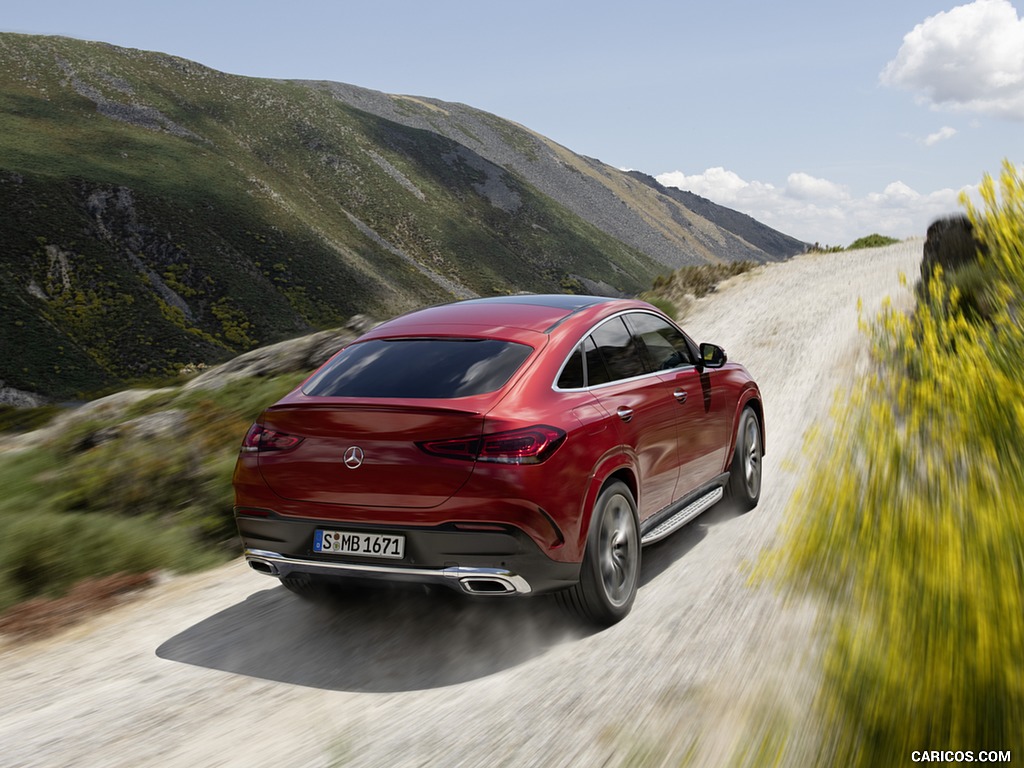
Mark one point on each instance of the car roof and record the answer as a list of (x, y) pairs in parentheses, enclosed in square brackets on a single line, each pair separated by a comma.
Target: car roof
[(537, 313)]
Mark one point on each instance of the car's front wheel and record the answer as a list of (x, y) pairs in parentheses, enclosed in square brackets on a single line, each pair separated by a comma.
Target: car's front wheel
[(610, 572)]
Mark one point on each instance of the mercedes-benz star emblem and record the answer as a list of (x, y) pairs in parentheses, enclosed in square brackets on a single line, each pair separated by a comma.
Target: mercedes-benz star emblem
[(354, 457)]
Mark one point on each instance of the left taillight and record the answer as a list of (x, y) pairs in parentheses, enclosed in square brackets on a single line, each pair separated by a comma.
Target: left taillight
[(260, 439), (531, 445)]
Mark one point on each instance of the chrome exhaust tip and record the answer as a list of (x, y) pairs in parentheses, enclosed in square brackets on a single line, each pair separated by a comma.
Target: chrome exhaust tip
[(477, 586), (263, 566)]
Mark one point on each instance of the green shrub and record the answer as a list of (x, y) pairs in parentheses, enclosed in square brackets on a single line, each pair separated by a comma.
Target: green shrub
[(976, 291), (700, 279), (872, 241), (664, 305), (672, 293), (910, 528), (25, 419), (26, 479), (97, 502), (245, 397), (819, 248), (45, 553)]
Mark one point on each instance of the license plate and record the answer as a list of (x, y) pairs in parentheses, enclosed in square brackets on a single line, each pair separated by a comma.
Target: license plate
[(361, 544)]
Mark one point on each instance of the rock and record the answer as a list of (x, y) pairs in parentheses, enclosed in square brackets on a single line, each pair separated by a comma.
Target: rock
[(152, 426), (19, 398), (950, 244), (303, 353)]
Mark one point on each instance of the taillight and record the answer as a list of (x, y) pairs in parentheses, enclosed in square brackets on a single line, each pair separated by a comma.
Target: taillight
[(262, 439), (252, 512), (531, 445)]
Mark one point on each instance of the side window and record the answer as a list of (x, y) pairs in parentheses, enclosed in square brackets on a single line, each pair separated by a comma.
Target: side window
[(664, 346), (617, 347), (572, 373), (597, 371)]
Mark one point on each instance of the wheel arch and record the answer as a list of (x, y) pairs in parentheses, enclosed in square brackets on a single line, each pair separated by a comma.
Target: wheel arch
[(617, 468), (758, 407), (750, 399)]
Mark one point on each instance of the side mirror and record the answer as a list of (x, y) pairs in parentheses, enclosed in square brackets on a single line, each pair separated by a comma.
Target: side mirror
[(712, 355)]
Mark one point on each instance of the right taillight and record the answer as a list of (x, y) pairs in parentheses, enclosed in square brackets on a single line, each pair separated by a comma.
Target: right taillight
[(530, 445), (261, 439)]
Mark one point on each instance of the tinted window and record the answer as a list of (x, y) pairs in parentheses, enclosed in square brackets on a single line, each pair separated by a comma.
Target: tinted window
[(597, 371), (663, 344), (618, 349), (572, 373), (414, 368)]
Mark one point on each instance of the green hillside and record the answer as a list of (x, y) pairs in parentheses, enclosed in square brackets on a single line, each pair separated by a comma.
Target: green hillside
[(159, 213)]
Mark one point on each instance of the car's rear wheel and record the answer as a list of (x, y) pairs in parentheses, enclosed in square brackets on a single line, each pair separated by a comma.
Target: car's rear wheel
[(744, 486), (610, 571)]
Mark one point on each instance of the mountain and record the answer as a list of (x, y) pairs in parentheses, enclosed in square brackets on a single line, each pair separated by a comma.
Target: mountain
[(673, 227), (158, 213), (747, 231)]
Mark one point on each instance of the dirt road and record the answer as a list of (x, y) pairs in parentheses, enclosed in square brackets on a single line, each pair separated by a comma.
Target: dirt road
[(226, 668)]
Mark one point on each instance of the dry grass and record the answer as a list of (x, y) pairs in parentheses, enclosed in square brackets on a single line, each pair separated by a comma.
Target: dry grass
[(44, 616)]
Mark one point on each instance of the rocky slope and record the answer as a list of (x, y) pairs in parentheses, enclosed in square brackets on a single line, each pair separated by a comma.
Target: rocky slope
[(676, 228)]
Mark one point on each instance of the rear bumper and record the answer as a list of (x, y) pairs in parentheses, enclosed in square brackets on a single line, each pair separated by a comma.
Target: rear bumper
[(502, 560), (472, 580)]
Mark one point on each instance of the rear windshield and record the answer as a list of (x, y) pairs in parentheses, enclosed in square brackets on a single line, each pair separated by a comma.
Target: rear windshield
[(419, 368)]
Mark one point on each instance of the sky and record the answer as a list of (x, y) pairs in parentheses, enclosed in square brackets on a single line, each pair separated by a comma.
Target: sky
[(827, 121)]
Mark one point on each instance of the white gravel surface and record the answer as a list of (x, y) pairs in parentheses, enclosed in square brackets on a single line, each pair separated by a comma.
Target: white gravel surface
[(227, 669)]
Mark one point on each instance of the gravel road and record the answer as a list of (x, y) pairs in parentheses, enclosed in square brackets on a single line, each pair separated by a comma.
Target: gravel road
[(225, 668)]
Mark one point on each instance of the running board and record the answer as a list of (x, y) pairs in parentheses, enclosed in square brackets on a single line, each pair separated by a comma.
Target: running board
[(682, 517)]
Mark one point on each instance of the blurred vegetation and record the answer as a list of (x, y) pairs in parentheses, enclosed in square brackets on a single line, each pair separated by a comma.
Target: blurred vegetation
[(15, 419), (108, 495), (819, 248), (672, 293), (910, 528)]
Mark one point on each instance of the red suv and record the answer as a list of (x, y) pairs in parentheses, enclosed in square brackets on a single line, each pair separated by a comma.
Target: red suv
[(506, 446)]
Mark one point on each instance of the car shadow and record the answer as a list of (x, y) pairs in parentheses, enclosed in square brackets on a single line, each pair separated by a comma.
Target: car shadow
[(373, 640), (396, 639), (658, 557)]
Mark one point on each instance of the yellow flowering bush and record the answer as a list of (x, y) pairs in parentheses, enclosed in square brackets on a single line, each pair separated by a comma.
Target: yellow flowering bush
[(911, 525)]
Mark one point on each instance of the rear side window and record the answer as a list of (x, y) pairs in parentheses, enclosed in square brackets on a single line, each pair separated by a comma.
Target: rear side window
[(572, 374), (597, 371), (419, 368)]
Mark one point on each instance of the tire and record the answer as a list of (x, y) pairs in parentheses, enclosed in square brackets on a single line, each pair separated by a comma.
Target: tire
[(744, 487), (610, 571)]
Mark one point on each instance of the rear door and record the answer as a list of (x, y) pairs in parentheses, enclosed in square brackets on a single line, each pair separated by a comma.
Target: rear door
[(642, 406)]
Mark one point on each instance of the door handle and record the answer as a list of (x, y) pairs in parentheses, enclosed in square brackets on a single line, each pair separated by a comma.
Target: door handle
[(680, 395), (624, 413)]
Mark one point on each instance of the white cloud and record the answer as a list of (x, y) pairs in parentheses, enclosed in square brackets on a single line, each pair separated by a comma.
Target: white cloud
[(726, 186), (818, 210), (968, 59), (802, 186), (940, 135)]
